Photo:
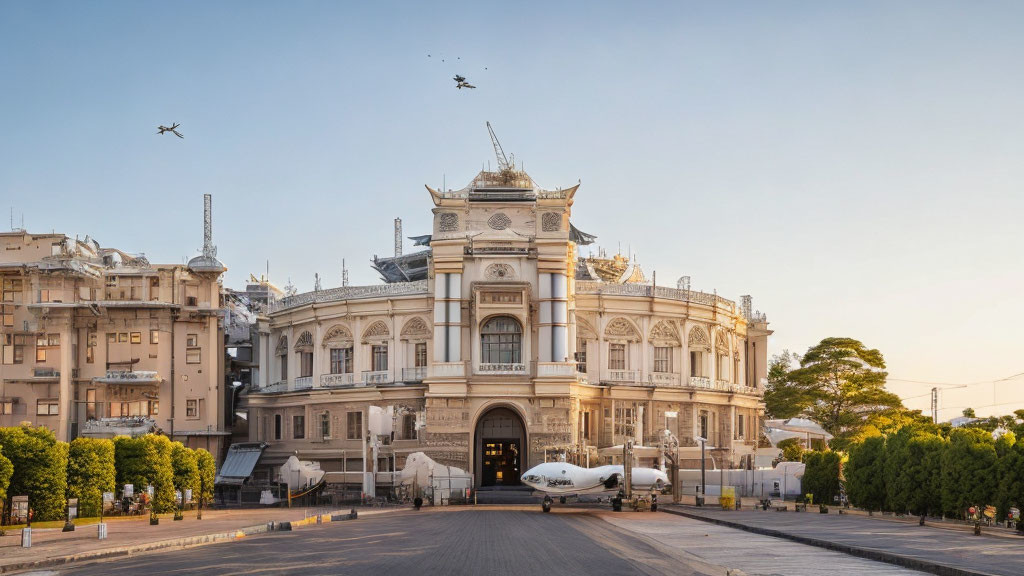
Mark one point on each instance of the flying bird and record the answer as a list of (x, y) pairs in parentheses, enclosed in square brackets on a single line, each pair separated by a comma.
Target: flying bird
[(172, 130), (460, 82)]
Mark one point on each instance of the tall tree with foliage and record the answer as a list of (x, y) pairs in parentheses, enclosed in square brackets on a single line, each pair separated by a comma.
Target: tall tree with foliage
[(146, 460), (840, 384), (207, 475), (90, 473), (865, 484), (1009, 474), (821, 475), (40, 469), (781, 398), (968, 471), (6, 471), (186, 469)]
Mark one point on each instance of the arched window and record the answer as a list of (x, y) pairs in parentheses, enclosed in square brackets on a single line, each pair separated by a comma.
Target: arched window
[(501, 341)]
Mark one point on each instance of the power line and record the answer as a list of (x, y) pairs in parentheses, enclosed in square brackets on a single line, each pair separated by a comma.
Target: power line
[(956, 383)]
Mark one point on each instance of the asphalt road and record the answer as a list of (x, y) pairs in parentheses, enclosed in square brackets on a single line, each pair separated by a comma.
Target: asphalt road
[(452, 541), (501, 540)]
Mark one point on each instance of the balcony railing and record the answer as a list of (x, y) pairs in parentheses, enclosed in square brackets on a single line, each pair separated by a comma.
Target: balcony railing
[(130, 377), (623, 376), (375, 377), (330, 380), (416, 374), (556, 369), (501, 368), (279, 386), (700, 382), (448, 369), (45, 373), (303, 383), (665, 379)]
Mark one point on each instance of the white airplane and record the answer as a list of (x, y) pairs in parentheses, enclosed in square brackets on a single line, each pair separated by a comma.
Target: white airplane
[(562, 479)]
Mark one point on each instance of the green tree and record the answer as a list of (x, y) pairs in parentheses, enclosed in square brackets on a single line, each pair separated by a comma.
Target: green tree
[(6, 470), (146, 460), (865, 484), (781, 398), (821, 475), (840, 384), (40, 469), (792, 450), (186, 469), (90, 473), (1008, 470), (969, 413), (968, 471), (207, 474)]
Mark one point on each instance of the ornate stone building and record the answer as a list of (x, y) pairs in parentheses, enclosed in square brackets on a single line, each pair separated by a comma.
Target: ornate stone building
[(98, 342), (504, 350)]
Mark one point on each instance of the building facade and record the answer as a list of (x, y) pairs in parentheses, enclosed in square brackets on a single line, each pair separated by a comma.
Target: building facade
[(97, 342), (507, 349)]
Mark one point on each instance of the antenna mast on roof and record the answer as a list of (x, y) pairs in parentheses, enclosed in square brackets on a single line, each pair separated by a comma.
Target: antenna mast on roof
[(502, 160)]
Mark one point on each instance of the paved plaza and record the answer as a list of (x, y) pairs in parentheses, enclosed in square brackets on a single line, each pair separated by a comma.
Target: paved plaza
[(499, 540)]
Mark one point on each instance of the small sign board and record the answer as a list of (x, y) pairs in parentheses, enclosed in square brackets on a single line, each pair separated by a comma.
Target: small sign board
[(129, 490), (177, 496), (72, 508), (19, 509), (108, 501), (188, 496), (149, 490)]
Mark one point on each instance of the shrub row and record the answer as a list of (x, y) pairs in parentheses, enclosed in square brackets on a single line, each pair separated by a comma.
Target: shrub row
[(34, 463)]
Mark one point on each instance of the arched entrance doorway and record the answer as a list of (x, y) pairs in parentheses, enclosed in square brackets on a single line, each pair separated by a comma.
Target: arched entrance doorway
[(500, 448)]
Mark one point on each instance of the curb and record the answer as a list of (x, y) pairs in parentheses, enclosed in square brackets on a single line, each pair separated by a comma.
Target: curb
[(184, 542), (870, 554)]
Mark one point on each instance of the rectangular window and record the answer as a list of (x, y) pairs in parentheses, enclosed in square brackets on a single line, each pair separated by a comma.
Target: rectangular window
[(305, 364), (111, 337), (136, 337), (341, 360), (409, 427), (624, 420), (7, 310), (696, 364), (662, 359), (122, 337), (380, 357), (47, 407), (284, 366), (355, 425), (581, 355), (90, 404), (739, 426), (154, 288), (40, 354), (7, 407), (325, 426), (193, 355), (703, 425), (616, 356), (154, 336), (585, 427), (192, 408), (192, 340), (298, 427), (11, 290), (277, 426), (14, 348), (421, 354)]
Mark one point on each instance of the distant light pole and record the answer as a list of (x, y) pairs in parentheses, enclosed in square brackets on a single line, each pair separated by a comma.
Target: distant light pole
[(703, 488)]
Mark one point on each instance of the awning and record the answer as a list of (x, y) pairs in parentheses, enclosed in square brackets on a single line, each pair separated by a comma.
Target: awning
[(237, 467)]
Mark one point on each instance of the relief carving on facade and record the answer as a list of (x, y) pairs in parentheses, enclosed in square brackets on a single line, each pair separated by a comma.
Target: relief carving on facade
[(499, 272), (699, 338), (621, 329), (448, 222), (499, 221), (337, 333), (378, 330), (305, 340), (551, 222), (664, 333), (282, 345), (722, 343), (416, 328)]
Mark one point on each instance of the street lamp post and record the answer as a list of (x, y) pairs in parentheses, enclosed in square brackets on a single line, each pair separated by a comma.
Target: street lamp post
[(703, 486)]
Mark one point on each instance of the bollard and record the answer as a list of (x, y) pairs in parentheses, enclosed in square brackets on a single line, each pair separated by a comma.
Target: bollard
[(353, 514), (920, 521), (977, 528), (26, 537), (101, 531), (319, 519)]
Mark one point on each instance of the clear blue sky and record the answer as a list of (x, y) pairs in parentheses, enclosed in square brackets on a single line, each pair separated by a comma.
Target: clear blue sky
[(856, 167)]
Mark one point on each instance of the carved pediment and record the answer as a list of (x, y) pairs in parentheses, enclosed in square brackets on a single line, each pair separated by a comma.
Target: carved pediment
[(305, 340), (664, 333), (621, 329), (337, 333), (282, 345), (378, 330), (722, 342), (698, 338), (416, 328)]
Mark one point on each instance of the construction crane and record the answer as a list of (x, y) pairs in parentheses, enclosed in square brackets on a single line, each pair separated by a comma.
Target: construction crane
[(503, 163)]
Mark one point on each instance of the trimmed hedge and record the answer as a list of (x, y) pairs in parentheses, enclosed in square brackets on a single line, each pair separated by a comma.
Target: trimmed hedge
[(90, 473)]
